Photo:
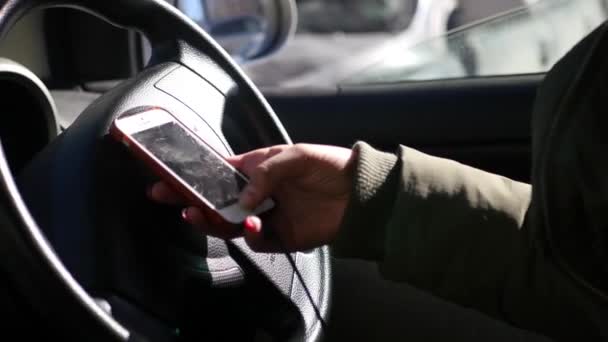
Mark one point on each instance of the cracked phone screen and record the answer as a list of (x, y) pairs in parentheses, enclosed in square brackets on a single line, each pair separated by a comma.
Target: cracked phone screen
[(192, 161)]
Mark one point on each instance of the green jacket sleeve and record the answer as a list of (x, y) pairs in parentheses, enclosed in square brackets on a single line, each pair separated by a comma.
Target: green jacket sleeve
[(462, 234), (437, 224)]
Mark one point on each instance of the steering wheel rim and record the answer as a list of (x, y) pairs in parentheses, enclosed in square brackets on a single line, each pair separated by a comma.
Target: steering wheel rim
[(185, 52)]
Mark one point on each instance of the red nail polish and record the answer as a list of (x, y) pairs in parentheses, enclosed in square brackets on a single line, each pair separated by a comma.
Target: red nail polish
[(250, 225)]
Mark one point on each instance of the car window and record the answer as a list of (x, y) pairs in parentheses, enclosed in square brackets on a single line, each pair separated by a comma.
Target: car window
[(527, 40), (380, 41), (329, 32)]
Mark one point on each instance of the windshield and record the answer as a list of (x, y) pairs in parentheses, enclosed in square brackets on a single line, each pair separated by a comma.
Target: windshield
[(527, 40)]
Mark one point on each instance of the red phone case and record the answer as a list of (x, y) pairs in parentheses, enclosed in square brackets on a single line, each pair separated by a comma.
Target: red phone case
[(166, 176)]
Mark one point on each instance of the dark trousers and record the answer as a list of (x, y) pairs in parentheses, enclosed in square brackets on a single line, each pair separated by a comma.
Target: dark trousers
[(366, 307)]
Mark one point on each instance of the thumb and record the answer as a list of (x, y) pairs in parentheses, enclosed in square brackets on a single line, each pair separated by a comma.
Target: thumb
[(266, 176)]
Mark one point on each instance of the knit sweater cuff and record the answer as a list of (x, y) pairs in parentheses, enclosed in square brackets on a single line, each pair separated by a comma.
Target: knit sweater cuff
[(362, 232)]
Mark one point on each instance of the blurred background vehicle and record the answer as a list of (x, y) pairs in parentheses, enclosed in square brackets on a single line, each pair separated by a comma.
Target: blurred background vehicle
[(336, 38), (326, 16), (534, 37)]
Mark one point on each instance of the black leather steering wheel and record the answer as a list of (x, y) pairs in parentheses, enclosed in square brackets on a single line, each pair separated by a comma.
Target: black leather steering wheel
[(110, 264)]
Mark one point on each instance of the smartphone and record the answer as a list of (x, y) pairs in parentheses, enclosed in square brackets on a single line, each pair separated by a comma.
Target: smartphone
[(186, 162)]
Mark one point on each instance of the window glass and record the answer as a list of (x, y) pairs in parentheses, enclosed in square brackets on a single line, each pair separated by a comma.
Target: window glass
[(332, 34), (527, 40), (379, 41)]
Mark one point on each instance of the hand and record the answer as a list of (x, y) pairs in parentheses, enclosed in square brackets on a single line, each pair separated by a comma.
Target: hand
[(311, 185)]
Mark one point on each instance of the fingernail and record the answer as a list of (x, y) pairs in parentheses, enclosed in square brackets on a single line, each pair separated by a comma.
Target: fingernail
[(252, 224), (185, 215)]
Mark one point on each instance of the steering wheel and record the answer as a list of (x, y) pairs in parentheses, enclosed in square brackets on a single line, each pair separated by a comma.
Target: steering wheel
[(99, 260)]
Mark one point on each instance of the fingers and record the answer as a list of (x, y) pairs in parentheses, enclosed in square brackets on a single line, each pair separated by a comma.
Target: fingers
[(270, 173), (163, 193), (247, 162), (266, 167), (207, 221), (251, 230), (210, 224)]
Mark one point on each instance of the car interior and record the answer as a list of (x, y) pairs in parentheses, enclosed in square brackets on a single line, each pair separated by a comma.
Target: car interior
[(127, 287)]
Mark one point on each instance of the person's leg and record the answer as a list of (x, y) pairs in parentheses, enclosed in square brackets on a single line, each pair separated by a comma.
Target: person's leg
[(366, 307)]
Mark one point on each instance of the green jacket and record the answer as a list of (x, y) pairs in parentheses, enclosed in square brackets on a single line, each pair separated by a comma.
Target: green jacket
[(533, 256)]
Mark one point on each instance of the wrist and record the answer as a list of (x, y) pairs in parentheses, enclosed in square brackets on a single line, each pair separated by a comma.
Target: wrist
[(374, 177)]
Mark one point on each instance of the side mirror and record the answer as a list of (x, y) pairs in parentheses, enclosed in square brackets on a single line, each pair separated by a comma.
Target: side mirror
[(247, 29)]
